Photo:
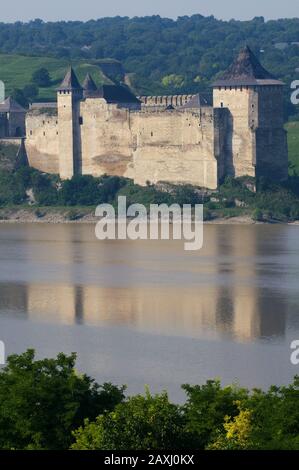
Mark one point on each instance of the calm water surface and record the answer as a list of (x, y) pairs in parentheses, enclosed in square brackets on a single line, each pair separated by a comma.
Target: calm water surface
[(148, 312)]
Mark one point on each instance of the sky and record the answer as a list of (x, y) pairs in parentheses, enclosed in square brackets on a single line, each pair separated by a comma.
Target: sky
[(53, 10)]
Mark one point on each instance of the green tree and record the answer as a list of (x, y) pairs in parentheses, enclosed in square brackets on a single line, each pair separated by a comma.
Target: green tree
[(275, 417), (43, 401), (30, 91), (236, 433), (206, 407), (141, 422), (265, 421), (173, 81), (41, 78)]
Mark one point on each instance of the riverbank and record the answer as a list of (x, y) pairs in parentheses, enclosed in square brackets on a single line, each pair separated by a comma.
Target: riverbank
[(64, 215)]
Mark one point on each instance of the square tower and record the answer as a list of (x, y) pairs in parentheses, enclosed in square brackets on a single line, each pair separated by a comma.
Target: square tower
[(256, 141), (69, 95)]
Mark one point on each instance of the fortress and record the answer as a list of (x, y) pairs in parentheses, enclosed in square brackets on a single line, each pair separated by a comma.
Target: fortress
[(178, 139)]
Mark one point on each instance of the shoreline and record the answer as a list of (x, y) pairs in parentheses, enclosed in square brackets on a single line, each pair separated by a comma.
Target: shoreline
[(52, 216)]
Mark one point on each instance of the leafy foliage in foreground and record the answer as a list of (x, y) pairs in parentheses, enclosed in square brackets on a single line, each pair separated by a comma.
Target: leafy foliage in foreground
[(46, 404), (215, 418), (43, 401), (141, 422)]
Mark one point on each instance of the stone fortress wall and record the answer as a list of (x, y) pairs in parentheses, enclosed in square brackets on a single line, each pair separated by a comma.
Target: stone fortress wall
[(177, 138), (175, 146)]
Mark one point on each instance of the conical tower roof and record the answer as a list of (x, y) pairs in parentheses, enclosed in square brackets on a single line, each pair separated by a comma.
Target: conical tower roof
[(89, 87), (89, 84), (70, 82), (246, 70)]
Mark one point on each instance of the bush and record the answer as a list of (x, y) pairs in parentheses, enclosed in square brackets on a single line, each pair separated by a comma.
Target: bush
[(257, 215), (39, 214), (89, 191), (145, 195), (44, 189), (74, 215), (187, 195), (12, 190)]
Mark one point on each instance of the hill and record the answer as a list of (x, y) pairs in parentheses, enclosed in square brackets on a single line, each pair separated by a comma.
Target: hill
[(159, 55), (16, 71), (166, 55)]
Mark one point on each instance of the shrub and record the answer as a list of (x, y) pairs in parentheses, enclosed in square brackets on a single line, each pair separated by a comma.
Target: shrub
[(257, 215)]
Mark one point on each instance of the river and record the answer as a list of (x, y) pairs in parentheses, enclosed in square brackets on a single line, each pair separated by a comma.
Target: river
[(148, 312)]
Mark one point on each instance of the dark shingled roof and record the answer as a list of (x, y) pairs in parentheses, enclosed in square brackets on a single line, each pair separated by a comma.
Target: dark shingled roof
[(70, 82), (246, 70), (11, 106), (89, 84), (117, 94), (197, 101)]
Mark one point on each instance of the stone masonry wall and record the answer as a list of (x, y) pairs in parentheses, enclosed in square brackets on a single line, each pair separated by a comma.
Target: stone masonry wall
[(242, 134), (242, 106), (175, 146), (271, 137), (42, 143), (106, 139)]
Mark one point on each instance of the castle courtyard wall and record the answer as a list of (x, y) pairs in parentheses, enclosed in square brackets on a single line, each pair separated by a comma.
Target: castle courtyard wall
[(241, 135), (178, 146), (42, 143), (106, 139), (175, 146)]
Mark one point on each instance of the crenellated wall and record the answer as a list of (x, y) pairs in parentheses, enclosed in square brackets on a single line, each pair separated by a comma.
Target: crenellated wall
[(241, 135), (175, 146), (164, 101)]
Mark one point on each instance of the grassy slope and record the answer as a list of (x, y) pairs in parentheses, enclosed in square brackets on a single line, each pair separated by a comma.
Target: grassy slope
[(16, 72), (293, 142)]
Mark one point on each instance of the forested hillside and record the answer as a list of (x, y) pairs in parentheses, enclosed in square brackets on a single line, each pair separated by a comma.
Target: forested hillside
[(161, 55)]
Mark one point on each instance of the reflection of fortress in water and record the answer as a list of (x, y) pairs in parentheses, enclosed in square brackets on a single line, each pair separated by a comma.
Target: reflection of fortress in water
[(220, 294)]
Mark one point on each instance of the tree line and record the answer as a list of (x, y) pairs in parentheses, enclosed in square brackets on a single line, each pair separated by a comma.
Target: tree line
[(162, 55), (262, 200), (46, 404)]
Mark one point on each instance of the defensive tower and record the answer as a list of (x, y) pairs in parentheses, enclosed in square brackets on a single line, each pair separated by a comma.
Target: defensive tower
[(69, 95), (256, 139)]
